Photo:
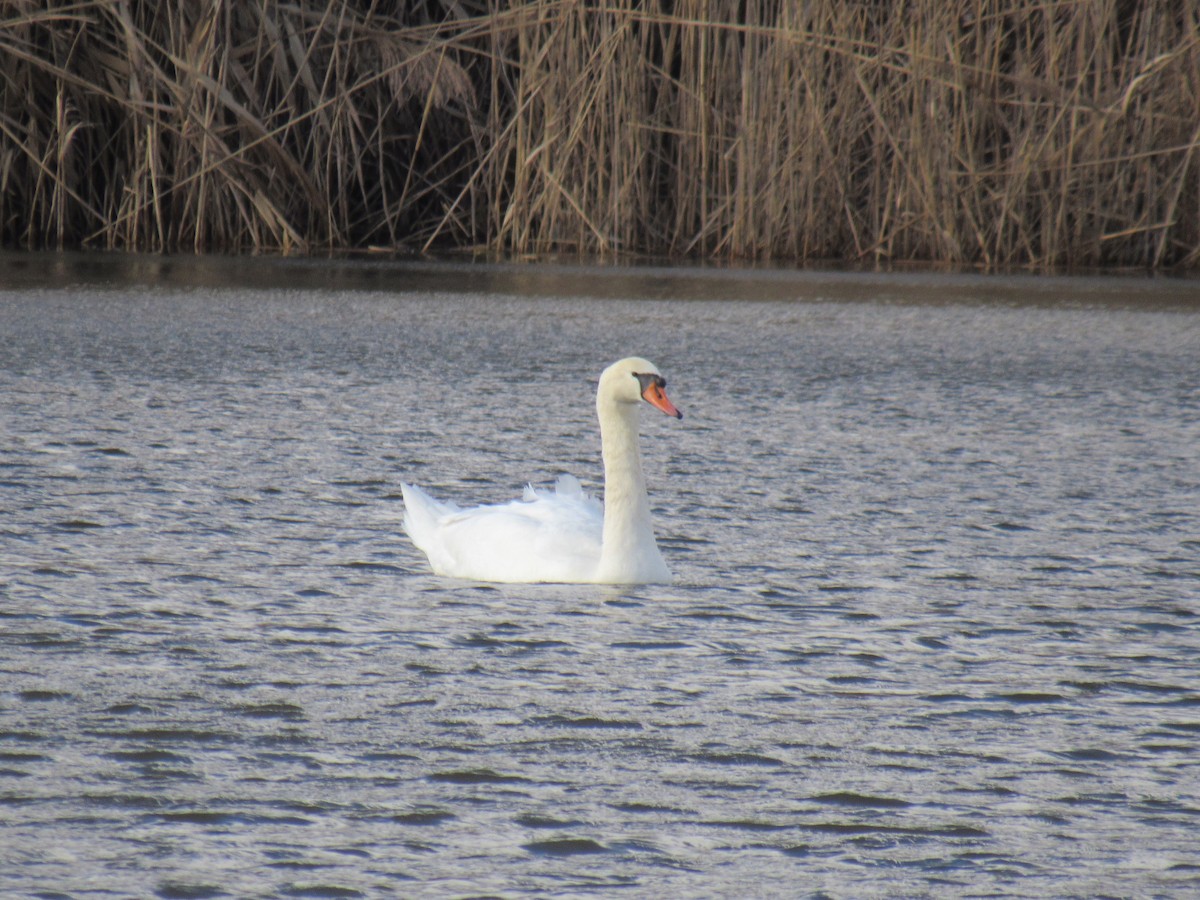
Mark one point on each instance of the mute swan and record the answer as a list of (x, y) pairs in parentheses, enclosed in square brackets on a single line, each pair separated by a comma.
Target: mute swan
[(566, 536)]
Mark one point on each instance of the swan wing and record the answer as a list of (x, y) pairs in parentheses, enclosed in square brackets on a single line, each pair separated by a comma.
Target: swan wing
[(551, 536)]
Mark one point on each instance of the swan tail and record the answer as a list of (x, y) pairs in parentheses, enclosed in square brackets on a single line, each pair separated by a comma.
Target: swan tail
[(421, 515)]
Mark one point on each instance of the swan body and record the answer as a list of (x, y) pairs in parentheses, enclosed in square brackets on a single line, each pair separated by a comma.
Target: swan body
[(564, 535)]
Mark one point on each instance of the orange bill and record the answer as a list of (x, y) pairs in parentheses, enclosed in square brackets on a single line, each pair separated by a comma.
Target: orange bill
[(657, 397)]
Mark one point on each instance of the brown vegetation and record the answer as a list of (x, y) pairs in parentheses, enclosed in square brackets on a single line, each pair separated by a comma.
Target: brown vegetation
[(1051, 133)]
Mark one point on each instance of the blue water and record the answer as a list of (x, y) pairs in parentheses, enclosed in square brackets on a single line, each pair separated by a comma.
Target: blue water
[(934, 630)]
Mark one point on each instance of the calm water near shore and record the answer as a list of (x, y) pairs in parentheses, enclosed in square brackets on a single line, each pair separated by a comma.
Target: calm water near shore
[(935, 629)]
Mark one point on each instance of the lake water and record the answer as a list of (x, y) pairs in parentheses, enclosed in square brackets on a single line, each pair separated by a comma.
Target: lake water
[(935, 629)]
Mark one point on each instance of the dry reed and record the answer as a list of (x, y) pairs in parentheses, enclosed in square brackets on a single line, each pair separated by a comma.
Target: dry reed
[(1055, 133)]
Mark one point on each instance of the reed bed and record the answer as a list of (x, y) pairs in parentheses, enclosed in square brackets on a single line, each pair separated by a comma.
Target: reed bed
[(1041, 134)]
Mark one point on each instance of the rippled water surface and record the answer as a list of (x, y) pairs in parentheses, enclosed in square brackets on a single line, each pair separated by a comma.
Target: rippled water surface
[(934, 629)]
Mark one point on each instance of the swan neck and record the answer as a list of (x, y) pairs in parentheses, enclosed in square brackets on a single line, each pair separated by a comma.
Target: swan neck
[(628, 551), (625, 502)]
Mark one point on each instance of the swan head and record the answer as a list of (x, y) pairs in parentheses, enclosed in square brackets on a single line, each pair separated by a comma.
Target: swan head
[(632, 380)]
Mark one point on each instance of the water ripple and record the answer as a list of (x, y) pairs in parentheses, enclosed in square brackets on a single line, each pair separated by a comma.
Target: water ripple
[(933, 632)]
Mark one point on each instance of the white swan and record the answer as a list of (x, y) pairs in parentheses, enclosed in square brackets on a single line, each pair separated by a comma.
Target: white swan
[(565, 536)]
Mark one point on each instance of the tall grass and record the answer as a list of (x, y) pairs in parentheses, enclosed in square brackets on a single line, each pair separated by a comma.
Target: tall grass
[(1050, 133), (217, 125)]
